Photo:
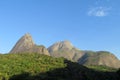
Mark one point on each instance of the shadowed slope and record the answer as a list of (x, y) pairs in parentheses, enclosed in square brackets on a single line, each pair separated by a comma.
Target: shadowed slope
[(72, 71)]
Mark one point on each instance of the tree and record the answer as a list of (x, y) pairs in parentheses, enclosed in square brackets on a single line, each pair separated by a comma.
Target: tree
[(118, 72)]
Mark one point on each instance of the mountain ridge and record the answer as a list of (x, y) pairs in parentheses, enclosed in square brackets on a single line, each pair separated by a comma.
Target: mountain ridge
[(67, 50), (84, 57), (26, 44)]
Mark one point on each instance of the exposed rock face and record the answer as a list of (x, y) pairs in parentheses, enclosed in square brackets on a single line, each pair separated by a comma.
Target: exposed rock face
[(63, 45), (26, 44), (65, 49), (99, 58)]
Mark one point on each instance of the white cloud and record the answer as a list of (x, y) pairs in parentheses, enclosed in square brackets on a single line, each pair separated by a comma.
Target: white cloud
[(98, 11)]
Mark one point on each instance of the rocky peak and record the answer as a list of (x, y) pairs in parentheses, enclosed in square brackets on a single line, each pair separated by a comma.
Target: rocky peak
[(27, 40), (62, 45), (26, 44), (66, 44), (65, 49)]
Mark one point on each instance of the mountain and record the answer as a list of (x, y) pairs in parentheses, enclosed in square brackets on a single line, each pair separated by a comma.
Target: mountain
[(100, 58), (42, 67), (65, 49), (26, 44)]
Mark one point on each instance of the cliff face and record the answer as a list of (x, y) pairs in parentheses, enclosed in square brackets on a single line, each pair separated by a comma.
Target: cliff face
[(26, 44), (65, 49)]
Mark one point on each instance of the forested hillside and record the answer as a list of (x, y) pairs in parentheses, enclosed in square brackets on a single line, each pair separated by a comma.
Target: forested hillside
[(33, 66)]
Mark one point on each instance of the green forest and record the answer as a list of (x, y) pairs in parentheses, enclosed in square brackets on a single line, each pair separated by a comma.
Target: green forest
[(33, 66)]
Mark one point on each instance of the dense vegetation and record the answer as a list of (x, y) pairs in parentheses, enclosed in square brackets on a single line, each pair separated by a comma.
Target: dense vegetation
[(40, 67), (13, 64), (101, 68)]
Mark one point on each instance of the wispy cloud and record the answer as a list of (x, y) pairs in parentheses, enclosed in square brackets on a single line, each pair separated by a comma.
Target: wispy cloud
[(98, 11)]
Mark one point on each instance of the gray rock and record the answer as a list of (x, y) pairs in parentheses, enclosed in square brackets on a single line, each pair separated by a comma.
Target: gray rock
[(100, 58), (65, 49), (26, 45)]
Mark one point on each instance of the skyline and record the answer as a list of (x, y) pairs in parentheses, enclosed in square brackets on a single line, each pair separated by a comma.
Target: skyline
[(88, 25)]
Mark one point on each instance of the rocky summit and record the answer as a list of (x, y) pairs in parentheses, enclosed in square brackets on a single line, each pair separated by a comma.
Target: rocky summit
[(26, 44), (65, 49), (63, 45)]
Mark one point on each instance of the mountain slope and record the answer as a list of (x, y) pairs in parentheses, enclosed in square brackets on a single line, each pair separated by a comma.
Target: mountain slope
[(26, 44), (65, 49), (41, 67), (100, 58)]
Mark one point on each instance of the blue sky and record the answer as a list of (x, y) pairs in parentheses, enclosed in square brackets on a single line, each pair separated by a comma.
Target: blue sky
[(88, 24)]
